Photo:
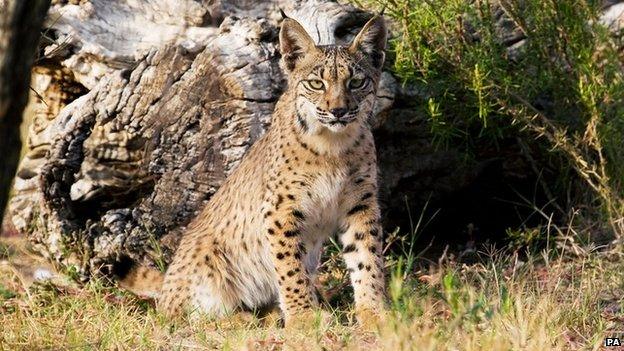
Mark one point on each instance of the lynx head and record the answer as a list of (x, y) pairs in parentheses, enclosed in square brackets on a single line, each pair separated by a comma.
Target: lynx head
[(334, 85)]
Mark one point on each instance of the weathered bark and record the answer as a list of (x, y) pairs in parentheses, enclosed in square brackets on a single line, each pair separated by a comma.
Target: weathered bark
[(121, 168), (150, 105), (20, 24)]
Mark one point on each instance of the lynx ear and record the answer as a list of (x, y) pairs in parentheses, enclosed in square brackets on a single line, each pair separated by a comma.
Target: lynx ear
[(294, 43), (371, 40)]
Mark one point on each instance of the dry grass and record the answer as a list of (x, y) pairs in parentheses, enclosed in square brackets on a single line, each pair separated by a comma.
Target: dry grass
[(503, 303)]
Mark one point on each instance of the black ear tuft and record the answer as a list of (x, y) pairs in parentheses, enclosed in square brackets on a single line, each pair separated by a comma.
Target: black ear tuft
[(371, 40), (294, 43)]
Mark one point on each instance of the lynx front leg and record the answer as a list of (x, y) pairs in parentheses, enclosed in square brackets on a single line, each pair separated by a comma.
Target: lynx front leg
[(362, 254), (296, 293)]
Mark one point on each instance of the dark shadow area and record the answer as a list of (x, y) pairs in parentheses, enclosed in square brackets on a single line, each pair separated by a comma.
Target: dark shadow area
[(466, 198)]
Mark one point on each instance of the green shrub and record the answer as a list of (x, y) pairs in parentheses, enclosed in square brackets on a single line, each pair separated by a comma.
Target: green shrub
[(560, 92)]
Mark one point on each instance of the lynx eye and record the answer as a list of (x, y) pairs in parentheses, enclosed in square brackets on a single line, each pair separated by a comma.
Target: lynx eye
[(316, 84), (356, 83)]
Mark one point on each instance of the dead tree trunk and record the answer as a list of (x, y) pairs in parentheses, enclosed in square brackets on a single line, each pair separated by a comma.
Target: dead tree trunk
[(20, 25), (150, 105), (138, 133)]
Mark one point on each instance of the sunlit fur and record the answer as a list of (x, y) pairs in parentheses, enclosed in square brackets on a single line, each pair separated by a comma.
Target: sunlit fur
[(312, 175), (335, 67)]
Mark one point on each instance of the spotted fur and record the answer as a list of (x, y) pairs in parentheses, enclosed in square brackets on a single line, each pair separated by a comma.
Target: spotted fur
[(258, 241)]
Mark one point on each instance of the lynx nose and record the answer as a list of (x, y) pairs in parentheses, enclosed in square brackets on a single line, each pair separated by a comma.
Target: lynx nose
[(338, 112)]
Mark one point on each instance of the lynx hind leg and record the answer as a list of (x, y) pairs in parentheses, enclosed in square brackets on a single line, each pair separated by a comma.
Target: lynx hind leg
[(196, 288), (183, 297), (172, 299)]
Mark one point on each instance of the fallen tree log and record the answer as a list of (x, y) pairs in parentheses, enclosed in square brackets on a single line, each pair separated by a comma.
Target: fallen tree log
[(113, 173), (144, 109)]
